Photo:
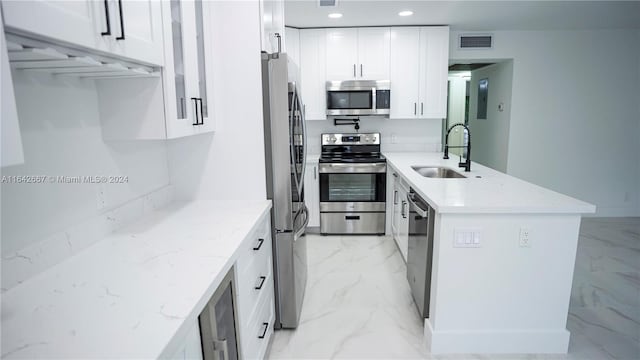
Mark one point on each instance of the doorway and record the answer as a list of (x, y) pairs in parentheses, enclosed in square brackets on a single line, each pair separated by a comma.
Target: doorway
[(480, 97)]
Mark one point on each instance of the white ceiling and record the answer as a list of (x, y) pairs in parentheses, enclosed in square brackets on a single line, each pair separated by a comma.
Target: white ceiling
[(470, 15)]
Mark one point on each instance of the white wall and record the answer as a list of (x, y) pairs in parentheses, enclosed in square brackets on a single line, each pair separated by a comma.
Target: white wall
[(397, 135), (61, 135), (490, 136), (455, 115), (574, 113), (230, 163)]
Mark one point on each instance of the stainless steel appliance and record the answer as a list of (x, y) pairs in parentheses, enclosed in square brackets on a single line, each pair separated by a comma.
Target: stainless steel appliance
[(420, 254), (285, 156), (352, 184), (358, 98), (218, 329)]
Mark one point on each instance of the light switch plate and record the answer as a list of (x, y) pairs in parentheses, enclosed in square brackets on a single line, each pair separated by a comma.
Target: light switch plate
[(467, 238)]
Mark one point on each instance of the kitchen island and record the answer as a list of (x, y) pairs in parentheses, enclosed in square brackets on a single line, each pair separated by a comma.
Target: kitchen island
[(498, 294)]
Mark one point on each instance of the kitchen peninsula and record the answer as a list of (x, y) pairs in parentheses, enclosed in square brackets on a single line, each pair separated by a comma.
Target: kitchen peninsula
[(508, 291)]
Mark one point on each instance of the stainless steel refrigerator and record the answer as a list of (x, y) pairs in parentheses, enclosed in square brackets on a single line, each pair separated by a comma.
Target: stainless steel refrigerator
[(285, 156)]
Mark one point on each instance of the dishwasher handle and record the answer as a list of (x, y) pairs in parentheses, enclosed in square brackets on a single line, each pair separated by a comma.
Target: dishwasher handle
[(414, 206)]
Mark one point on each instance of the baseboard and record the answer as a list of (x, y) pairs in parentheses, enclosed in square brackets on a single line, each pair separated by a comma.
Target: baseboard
[(515, 341)]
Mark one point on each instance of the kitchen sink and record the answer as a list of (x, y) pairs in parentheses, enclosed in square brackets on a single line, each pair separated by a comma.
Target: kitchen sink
[(437, 172)]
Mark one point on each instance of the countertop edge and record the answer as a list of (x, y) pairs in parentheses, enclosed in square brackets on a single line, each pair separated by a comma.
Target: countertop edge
[(581, 207)]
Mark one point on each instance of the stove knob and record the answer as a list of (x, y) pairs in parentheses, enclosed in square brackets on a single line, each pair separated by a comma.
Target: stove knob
[(367, 139), (333, 139), (373, 139)]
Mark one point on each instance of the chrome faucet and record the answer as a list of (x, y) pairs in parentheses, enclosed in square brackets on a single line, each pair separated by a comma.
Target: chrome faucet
[(467, 164)]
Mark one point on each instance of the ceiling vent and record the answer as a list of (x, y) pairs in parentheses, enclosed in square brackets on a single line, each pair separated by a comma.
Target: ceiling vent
[(476, 41), (327, 3)]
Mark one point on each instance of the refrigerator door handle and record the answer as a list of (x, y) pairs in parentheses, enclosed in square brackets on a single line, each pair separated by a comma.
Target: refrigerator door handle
[(304, 137), (300, 231), (292, 142)]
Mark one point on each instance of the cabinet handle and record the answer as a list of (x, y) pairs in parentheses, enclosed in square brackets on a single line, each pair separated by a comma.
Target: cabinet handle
[(352, 217), (403, 209), (395, 197), (315, 174), (195, 103), (395, 175), (201, 112), (360, 70), (262, 279), (354, 70), (106, 16), (260, 241), (264, 332), (415, 108), (121, 37), (421, 108)]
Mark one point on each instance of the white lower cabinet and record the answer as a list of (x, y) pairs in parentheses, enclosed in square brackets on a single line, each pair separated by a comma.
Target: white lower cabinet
[(255, 292), (400, 214), (312, 193)]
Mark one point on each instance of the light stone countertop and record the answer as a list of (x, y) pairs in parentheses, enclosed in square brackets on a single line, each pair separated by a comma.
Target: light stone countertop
[(483, 191), (135, 293)]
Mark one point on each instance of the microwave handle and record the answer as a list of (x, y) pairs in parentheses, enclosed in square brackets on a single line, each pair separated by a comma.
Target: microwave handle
[(373, 99)]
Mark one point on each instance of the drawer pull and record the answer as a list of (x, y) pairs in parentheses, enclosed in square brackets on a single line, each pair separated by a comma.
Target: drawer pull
[(264, 332), (352, 217), (262, 279), (260, 241)]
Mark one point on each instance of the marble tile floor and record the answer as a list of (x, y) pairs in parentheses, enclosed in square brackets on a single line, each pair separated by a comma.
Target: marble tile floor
[(358, 304)]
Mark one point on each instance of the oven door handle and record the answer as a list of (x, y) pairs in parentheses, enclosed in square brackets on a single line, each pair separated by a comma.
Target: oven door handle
[(327, 168)]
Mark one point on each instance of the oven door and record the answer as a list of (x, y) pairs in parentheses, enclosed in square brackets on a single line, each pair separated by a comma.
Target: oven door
[(348, 187)]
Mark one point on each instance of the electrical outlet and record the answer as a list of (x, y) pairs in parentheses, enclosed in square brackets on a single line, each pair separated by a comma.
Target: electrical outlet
[(394, 138), (525, 237), (101, 196)]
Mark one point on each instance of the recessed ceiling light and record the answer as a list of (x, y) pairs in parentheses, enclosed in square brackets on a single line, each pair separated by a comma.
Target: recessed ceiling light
[(335, 15), (405, 13)]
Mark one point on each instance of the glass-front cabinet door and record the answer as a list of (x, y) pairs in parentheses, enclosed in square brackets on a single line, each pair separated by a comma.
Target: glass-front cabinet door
[(178, 60), (202, 56), (187, 74)]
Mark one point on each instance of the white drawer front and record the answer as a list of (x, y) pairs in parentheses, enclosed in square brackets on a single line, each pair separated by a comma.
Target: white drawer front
[(256, 247), (252, 288), (257, 334)]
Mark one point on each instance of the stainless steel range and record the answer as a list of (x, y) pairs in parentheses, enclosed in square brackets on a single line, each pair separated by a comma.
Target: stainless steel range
[(352, 184)]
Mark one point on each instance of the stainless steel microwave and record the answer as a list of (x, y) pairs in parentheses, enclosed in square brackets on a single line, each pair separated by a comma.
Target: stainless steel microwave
[(358, 98)]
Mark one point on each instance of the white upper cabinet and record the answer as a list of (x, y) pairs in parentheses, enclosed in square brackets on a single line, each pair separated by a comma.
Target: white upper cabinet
[(128, 28), (181, 102), (405, 62), (138, 30), (312, 193), (373, 53), (10, 138), (354, 53), (434, 55), (271, 23), (188, 77), (342, 54), (419, 67), (313, 73)]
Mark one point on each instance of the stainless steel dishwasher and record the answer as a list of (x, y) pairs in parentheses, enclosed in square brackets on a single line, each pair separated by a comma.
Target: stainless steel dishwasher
[(420, 254)]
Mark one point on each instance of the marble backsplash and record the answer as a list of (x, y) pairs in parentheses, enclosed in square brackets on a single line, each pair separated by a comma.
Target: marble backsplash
[(21, 265)]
